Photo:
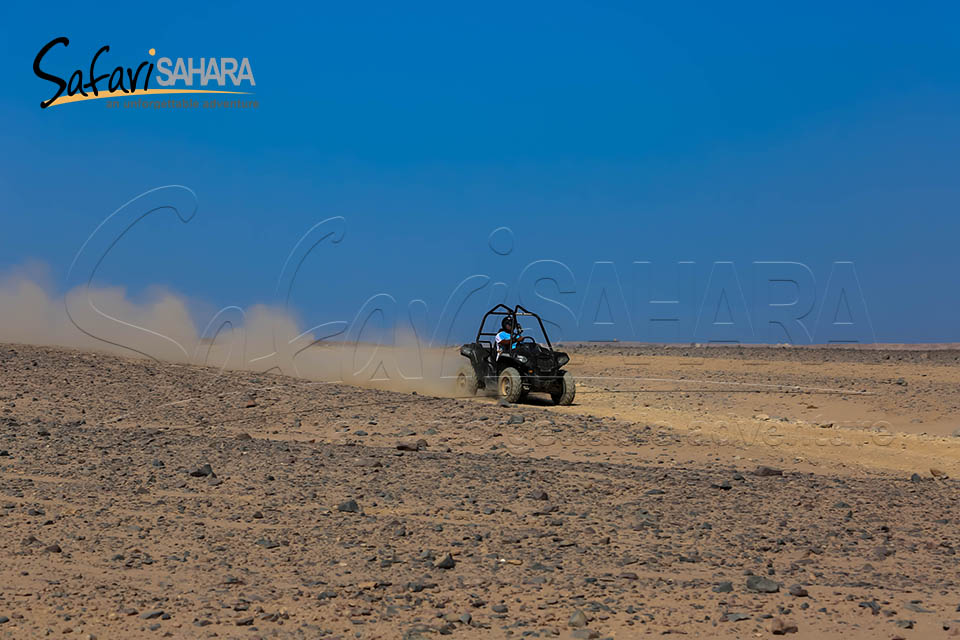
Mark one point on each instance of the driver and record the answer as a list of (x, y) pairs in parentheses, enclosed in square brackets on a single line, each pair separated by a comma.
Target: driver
[(507, 338)]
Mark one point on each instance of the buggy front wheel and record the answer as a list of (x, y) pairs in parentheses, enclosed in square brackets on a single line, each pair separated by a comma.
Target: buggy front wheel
[(509, 385), (466, 382), (567, 390)]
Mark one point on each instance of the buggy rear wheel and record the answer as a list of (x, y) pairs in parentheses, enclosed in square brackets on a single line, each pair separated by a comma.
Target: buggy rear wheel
[(509, 385), (568, 389), (466, 382)]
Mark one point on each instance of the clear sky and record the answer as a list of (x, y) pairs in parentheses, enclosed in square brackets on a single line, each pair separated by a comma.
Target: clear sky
[(595, 131)]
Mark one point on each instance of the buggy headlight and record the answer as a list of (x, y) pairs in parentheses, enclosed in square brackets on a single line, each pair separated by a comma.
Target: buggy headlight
[(521, 358), (562, 359)]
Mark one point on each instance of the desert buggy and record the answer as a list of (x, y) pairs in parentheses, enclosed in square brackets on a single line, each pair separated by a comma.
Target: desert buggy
[(517, 370)]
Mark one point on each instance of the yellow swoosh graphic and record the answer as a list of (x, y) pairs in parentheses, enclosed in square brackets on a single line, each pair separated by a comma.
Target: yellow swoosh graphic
[(136, 94)]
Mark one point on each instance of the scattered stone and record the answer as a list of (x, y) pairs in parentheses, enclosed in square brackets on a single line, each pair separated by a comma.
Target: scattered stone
[(765, 472), (872, 605), (735, 617), (798, 591), (779, 626), (446, 562), (349, 506), (202, 471), (516, 418), (725, 485), (760, 584), (150, 615), (410, 445), (577, 619), (723, 587)]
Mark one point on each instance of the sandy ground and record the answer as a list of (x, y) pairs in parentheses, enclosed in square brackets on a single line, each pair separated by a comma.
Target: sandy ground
[(329, 510)]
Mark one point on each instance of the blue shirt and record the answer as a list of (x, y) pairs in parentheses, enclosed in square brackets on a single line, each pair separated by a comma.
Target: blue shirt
[(502, 336)]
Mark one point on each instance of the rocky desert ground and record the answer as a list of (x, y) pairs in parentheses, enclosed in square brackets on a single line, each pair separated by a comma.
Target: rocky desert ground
[(706, 492)]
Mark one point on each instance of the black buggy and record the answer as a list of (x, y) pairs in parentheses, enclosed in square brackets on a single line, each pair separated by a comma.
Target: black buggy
[(517, 370)]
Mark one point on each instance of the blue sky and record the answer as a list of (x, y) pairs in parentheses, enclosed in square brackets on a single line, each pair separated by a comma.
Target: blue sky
[(601, 131)]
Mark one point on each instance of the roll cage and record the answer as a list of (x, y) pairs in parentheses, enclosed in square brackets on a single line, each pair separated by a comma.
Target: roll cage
[(504, 310)]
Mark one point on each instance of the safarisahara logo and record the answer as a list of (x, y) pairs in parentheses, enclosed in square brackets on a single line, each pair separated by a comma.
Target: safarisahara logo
[(179, 75)]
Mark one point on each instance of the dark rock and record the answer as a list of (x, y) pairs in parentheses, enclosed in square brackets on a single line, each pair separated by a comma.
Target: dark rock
[(760, 584), (765, 472), (798, 591), (349, 506), (446, 562), (203, 471), (150, 615), (872, 605), (267, 544), (735, 617), (515, 419), (723, 587)]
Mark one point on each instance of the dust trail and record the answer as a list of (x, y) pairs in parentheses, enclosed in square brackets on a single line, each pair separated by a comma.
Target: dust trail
[(161, 326)]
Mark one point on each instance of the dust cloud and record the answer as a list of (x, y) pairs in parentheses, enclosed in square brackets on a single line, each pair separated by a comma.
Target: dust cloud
[(261, 338)]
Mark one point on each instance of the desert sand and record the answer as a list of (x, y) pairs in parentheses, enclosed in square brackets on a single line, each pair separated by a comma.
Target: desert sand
[(712, 492)]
